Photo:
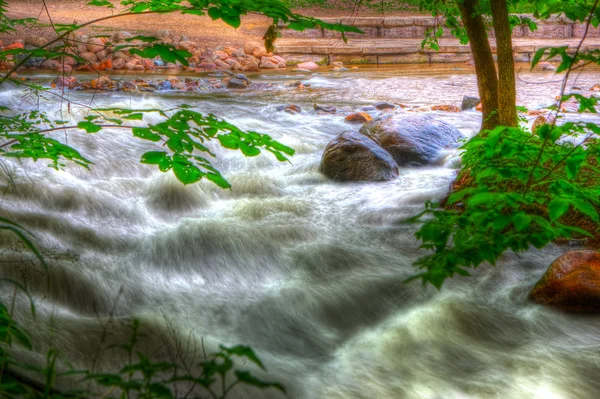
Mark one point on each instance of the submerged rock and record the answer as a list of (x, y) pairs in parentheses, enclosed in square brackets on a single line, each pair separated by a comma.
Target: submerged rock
[(383, 105), (236, 83), (412, 139), (354, 157), (571, 283)]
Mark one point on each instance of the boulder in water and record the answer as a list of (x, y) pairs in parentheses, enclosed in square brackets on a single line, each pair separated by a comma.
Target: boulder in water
[(469, 102), (354, 157), (359, 117), (571, 283), (412, 139)]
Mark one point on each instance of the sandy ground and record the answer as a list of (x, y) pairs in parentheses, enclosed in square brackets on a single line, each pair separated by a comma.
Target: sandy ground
[(201, 29)]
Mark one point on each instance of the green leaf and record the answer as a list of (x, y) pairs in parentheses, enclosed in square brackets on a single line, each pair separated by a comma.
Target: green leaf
[(153, 157), (145, 133), (186, 172), (248, 150), (558, 207), (89, 127), (218, 180)]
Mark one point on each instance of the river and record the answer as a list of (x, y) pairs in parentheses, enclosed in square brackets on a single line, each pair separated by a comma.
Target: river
[(307, 271)]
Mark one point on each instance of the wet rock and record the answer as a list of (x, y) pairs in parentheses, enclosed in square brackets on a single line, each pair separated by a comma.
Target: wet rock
[(469, 102), (302, 70), (446, 108), (235, 83), (571, 283), (292, 109), (69, 82), (325, 108), (412, 139), (103, 83), (308, 65), (359, 117), (165, 85), (384, 105), (355, 157)]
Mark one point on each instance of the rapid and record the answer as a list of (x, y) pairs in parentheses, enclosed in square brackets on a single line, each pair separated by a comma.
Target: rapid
[(307, 271)]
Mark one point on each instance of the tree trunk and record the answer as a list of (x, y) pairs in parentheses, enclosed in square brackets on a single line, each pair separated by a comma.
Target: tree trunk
[(487, 80), (507, 92)]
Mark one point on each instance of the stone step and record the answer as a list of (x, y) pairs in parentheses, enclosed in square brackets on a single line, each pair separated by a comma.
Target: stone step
[(406, 51), (416, 26)]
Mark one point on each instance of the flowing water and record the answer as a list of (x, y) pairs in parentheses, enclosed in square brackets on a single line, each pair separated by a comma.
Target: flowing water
[(307, 271)]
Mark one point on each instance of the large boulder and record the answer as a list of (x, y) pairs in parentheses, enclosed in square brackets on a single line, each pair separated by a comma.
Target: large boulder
[(412, 139), (355, 157), (571, 283)]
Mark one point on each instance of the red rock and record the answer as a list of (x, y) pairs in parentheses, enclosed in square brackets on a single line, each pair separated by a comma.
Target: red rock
[(571, 283), (105, 64), (103, 82), (308, 65), (293, 109), (15, 45), (95, 44), (148, 64), (359, 117), (193, 60), (479, 107)]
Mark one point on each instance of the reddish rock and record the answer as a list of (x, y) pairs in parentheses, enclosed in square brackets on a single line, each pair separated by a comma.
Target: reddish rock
[(446, 108), (546, 66), (89, 56), (103, 82), (258, 53), (595, 87), (571, 283), (138, 67), (237, 66), (222, 65), (207, 66), (293, 109), (479, 107), (359, 117), (102, 54), (118, 63), (208, 55), (36, 41), (69, 61), (251, 47), (81, 48), (267, 63), (308, 65), (15, 45), (105, 64), (120, 54), (231, 61), (188, 46), (278, 59), (131, 64), (95, 44), (238, 53), (193, 60), (252, 66)]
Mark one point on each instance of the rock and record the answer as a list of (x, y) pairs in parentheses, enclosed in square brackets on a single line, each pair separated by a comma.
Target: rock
[(571, 283), (89, 56), (67, 60), (194, 60), (235, 83), (359, 117), (64, 68), (383, 105), (325, 108), (238, 53), (66, 81), (302, 70), (479, 107), (81, 48), (148, 64), (292, 109), (118, 63), (595, 87), (268, 63), (469, 102), (281, 65), (15, 45), (130, 65), (446, 108), (207, 66), (542, 120), (129, 85), (252, 66), (308, 65), (354, 157), (219, 64), (163, 33), (102, 54), (36, 41), (188, 46), (103, 82), (336, 64), (221, 55), (412, 139), (105, 64), (50, 64), (251, 47), (95, 44), (165, 85), (159, 63), (339, 69)]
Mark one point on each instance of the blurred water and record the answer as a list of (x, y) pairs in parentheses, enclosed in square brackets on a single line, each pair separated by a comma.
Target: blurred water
[(307, 271)]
